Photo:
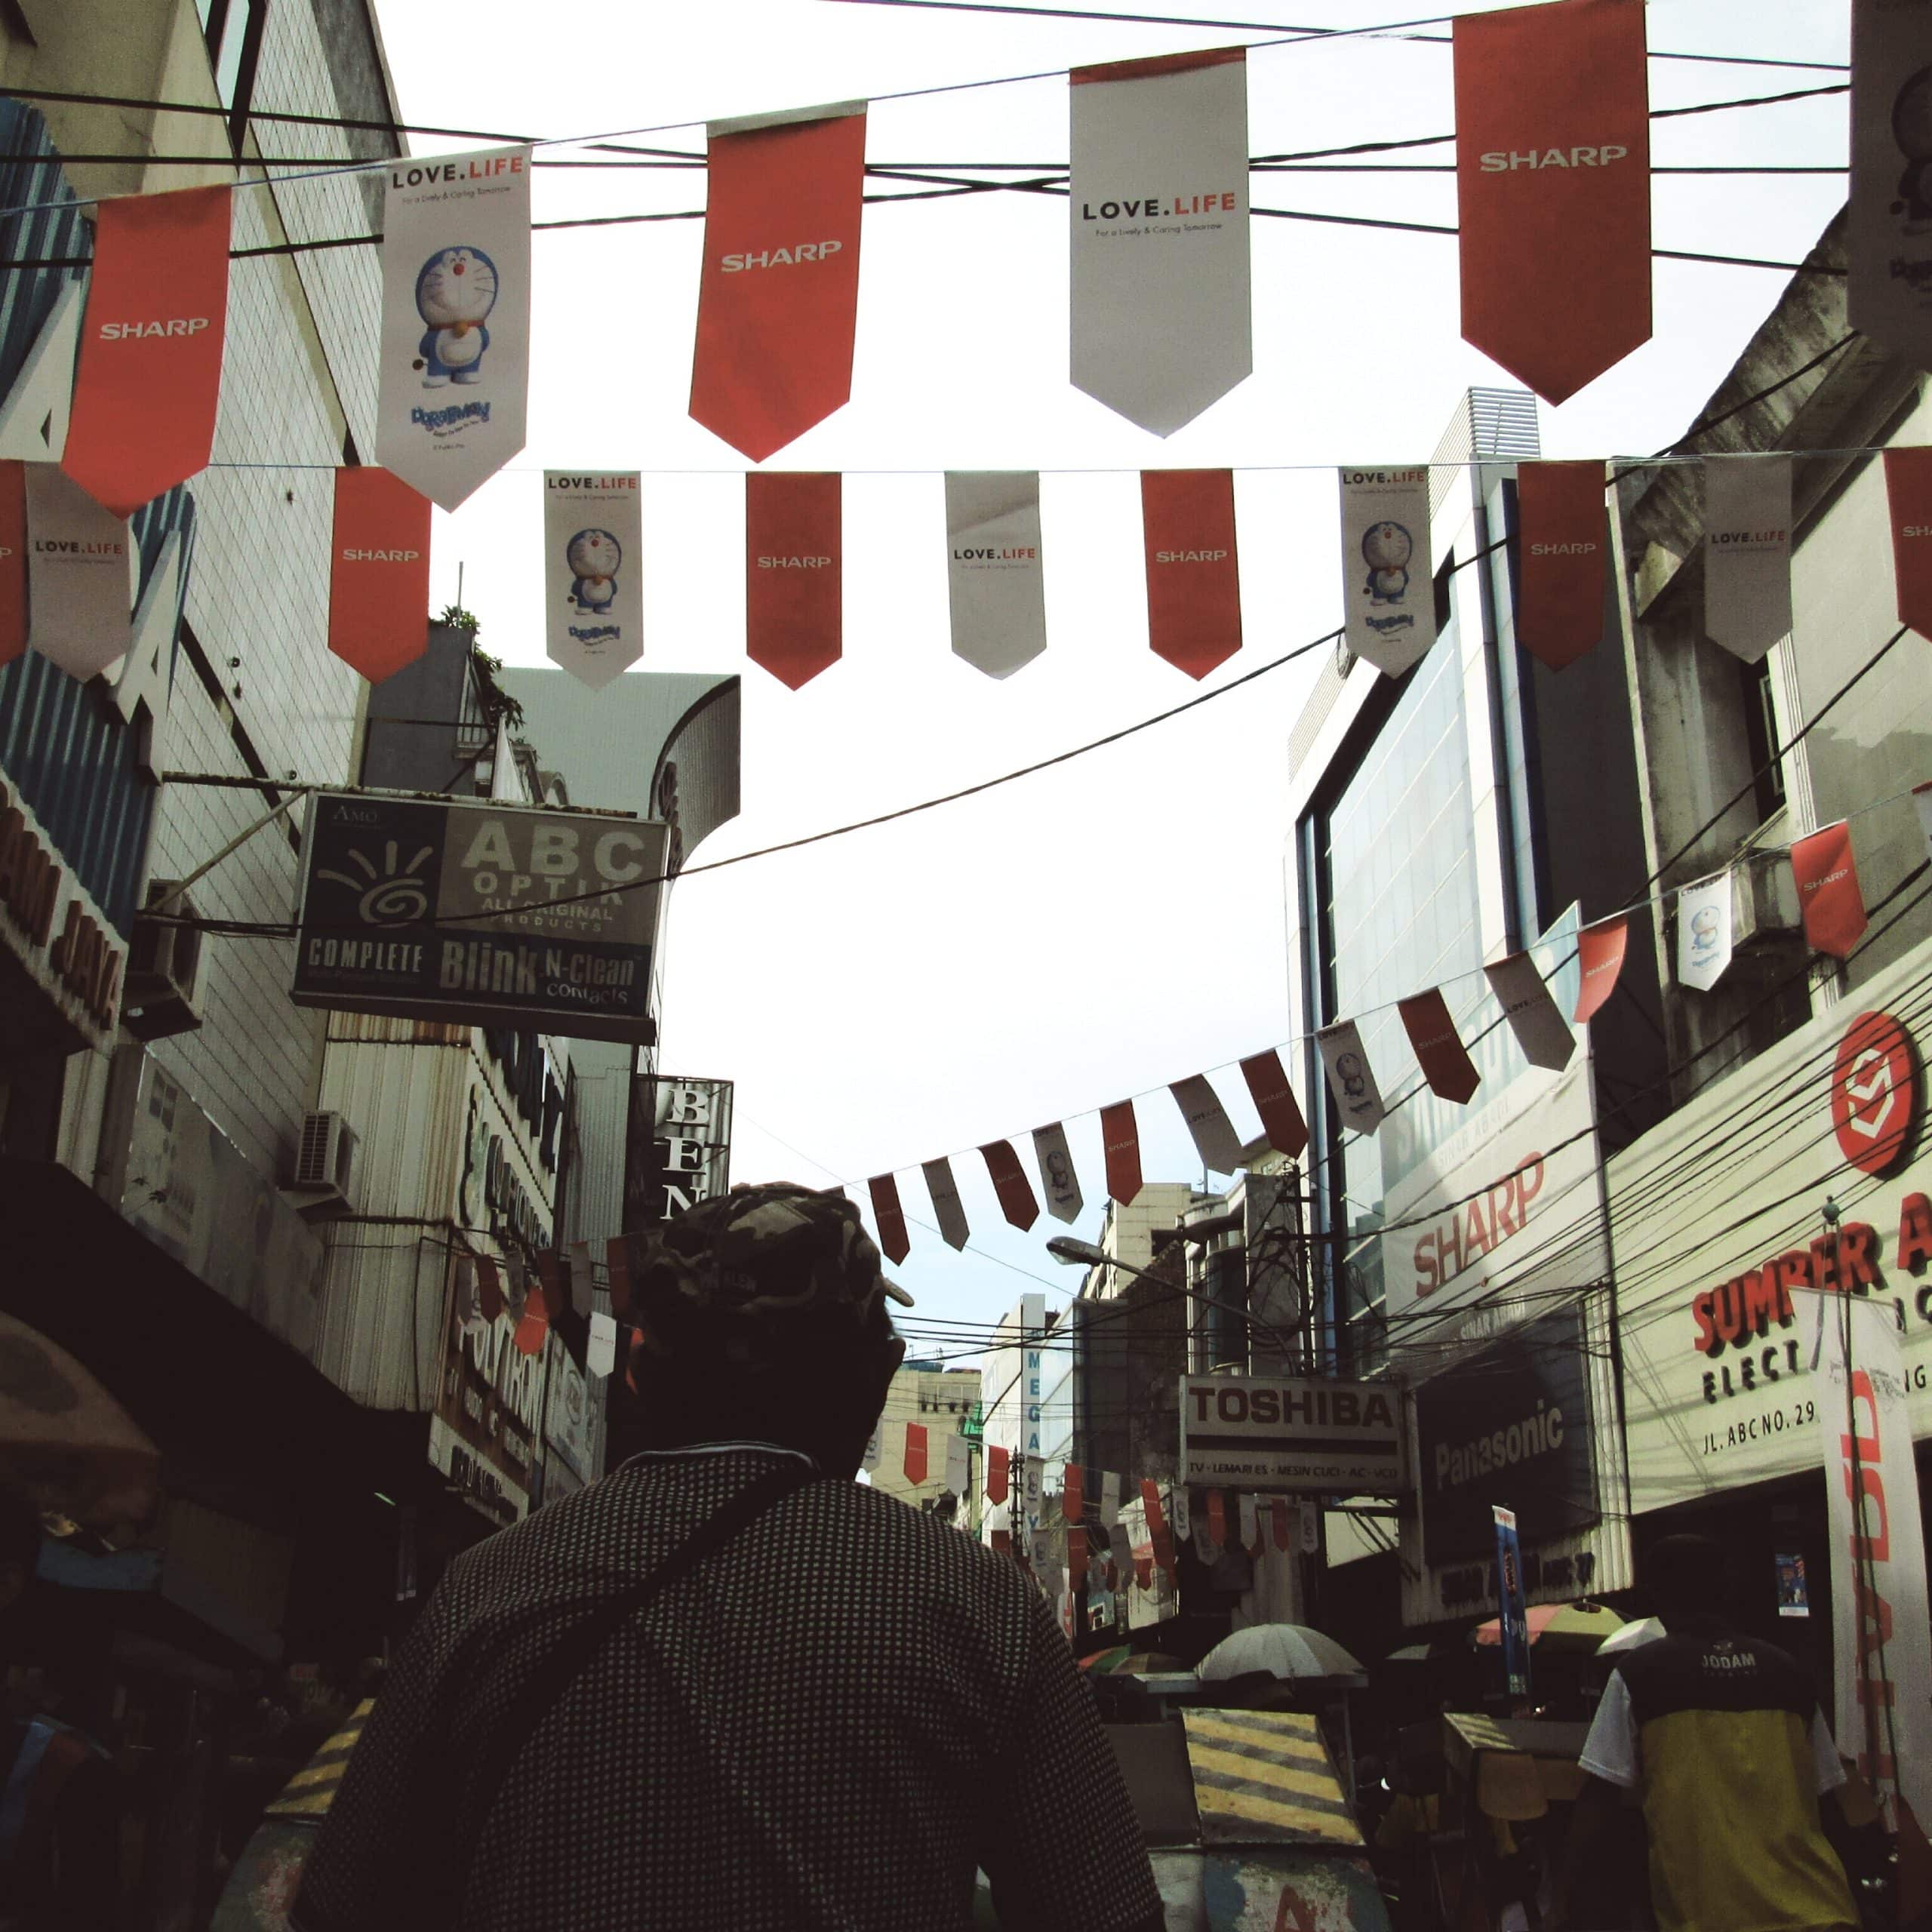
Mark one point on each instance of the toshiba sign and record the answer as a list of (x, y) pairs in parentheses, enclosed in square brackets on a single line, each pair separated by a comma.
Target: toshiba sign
[(1297, 1436)]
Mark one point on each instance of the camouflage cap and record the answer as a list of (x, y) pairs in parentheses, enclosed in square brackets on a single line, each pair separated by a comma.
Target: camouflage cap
[(758, 1262)]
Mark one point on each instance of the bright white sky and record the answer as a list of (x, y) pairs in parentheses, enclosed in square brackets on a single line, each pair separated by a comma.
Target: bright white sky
[(1103, 929)]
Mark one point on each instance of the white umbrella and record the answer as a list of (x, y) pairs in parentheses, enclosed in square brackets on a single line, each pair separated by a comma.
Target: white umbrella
[(1646, 1630), (1291, 1650)]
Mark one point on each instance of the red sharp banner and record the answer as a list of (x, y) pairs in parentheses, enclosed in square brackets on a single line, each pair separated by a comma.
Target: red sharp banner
[(1600, 950), (533, 1326), (996, 1474), (890, 1216), (778, 294), (1002, 1540), (1553, 189), (1072, 1497), (379, 573), (1143, 1572), (1157, 1524), (13, 561), (1828, 891), (1193, 572), (794, 566), (915, 1453), (1563, 531), (1121, 1137), (1009, 1183), (1217, 1520), (1908, 497), (149, 375), (617, 1252), (1076, 1558), (1275, 1101), (489, 1288), (1444, 1060), (1278, 1511)]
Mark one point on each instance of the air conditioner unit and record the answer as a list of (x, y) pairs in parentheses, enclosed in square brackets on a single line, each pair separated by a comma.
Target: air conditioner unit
[(162, 993), (323, 1163), (1764, 899)]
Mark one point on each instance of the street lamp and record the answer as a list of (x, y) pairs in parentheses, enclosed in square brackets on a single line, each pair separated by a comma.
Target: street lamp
[(1065, 1247)]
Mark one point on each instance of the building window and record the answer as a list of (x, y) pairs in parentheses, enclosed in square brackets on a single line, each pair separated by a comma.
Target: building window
[(233, 29), (1760, 737)]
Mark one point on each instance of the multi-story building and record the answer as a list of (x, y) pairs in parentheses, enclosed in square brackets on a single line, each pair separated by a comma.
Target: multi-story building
[(943, 1400)]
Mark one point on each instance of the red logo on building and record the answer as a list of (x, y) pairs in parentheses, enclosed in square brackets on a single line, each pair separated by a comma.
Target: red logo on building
[(1874, 1092)]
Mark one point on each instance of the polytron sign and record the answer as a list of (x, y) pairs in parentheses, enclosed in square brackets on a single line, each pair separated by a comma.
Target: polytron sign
[(1298, 1435), (1875, 1093)]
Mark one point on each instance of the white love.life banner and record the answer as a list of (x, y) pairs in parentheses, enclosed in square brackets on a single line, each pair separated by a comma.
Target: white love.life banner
[(1157, 210), (1882, 1636), (1747, 552), (1388, 578), (600, 1352), (1703, 932), (958, 1464), (456, 319), (80, 575), (1110, 1498), (1215, 1140), (1351, 1079), (993, 574), (593, 571), (1889, 235)]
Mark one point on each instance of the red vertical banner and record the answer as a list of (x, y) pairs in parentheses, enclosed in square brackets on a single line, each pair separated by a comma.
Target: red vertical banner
[(915, 1453), (1909, 498), (1158, 1531), (1828, 893), (794, 569), (1275, 1101), (532, 1325), (1600, 950), (1072, 1495), (1002, 1542), (996, 1483), (149, 375), (489, 1288), (890, 1216), (1076, 1558), (13, 561), (379, 573), (778, 295), (617, 1254), (1278, 1516), (1217, 1519), (1120, 1136), (1563, 532), (1009, 1183), (1553, 189), (1193, 570), (1439, 1051)]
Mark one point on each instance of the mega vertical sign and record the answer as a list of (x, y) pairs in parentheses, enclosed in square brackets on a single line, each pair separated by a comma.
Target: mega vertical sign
[(680, 1147)]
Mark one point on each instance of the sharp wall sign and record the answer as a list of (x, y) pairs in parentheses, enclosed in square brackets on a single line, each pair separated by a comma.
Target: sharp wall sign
[(1296, 1436), (483, 915)]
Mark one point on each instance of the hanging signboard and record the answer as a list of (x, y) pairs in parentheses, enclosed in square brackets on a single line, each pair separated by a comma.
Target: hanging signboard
[(680, 1147), (482, 914), (1293, 1435)]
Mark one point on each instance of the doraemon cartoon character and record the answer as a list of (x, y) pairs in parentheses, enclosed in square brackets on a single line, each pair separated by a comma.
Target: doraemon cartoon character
[(1386, 548), (594, 557), (454, 294)]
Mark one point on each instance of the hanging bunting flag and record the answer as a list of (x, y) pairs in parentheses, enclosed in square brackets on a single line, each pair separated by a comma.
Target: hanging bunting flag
[(1162, 320), (13, 561), (948, 1210), (582, 1279), (1278, 1515), (1215, 1140), (1311, 1529), (1076, 1558), (1275, 1101), (1073, 1494), (1534, 1017), (1205, 1549), (593, 563), (1121, 1137), (1002, 1542), (1439, 1051), (915, 1453), (778, 295), (958, 1464), (1251, 1537), (489, 1288), (601, 1356), (1553, 189), (794, 549), (1351, 1079), (1110, 1498), (456, 319), (1747, 552), (1908, 499), (889, 1216), (549, 1272), (80, 585), (1388, 579), (1888, 294), (1180, 1507), (1120, 1547), (1562, 553), (617, 1256), (994, 579), (1009, 1180), (532, 1325), (150, 376), (1217, 1520), (379, 573), (1143, 1572), (996, 1462), (1703, 932), (468, 1302), (1922, 797), (1193, 568), (1828, 893), (1600, 950), (1157, 1524), (1057, 1179)]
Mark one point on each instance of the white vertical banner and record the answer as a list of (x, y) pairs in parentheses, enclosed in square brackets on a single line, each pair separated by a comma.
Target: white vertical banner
[(1889, 294), (1058, 1182), (1534, 1017), (1157, 209), (958, 1464), (1882, 1634), (601, 1354), (583, 1279), (80, 575), (1215, 1140), (948, 1209), (993, 574), (1180, 1511), (1388, 579), (1309, 1514), (1351, 1079), (1703, 932), (875, 1449), (1110, 1498), (1249, 1521), (1747, 552), (456, 319), (593, 561)]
